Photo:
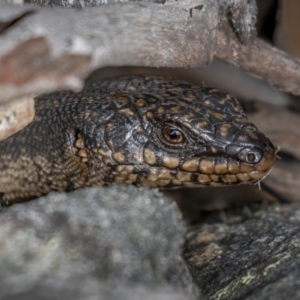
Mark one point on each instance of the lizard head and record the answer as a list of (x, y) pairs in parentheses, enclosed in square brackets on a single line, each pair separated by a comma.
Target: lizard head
[(183, 135)]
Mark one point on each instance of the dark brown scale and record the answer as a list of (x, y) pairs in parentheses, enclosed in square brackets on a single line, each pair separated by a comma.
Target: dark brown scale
[(142, 130)]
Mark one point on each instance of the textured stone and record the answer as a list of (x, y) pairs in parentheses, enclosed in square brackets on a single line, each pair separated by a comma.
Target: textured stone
[(119, 242), (257, 257)]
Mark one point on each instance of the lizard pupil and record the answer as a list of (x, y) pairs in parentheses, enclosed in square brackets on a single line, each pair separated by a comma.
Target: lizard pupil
[(174, 133)]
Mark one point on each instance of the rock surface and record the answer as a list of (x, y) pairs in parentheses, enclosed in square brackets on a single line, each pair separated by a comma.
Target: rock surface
[(97, 243), (254, 258), (125, 243)]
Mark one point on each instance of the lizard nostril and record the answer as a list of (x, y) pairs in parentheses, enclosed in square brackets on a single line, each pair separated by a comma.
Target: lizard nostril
[(251, 155)]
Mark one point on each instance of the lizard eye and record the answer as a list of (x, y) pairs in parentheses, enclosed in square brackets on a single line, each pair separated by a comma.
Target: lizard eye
[(173, 134)]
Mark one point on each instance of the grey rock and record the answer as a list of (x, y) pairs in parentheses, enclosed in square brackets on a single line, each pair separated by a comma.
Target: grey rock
[(97, 243), (243, 16), (242, 13), (257, 257)]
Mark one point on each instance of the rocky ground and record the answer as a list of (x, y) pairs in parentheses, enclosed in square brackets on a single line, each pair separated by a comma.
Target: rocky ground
[(131, 243), (98, 243)]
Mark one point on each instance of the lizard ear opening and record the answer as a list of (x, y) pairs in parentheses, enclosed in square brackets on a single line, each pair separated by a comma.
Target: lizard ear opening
[(81, 151)]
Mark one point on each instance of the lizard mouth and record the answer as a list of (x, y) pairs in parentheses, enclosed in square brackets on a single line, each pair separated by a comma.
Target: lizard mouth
[(197, 172)]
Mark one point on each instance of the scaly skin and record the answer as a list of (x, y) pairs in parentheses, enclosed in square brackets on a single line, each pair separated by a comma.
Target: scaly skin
[(141, 130)]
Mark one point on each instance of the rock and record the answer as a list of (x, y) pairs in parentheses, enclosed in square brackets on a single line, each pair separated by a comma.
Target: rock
[(96, 243), (257, 258)]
